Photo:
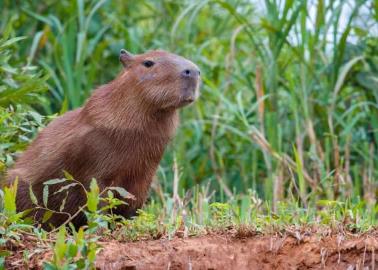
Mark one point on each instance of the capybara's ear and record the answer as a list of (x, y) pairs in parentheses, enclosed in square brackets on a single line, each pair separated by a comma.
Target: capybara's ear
[(125, 58)]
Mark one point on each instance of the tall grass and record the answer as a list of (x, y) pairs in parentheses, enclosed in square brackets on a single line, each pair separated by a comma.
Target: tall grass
[(289, 97)]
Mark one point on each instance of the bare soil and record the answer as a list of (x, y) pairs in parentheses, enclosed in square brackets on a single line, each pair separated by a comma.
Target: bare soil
[(256, 252), (228, 250)]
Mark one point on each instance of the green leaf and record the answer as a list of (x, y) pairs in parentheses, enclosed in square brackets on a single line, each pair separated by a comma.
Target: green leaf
[(368, 80), (10, 199), (110, 194), (33, 198), (54, 181), (61, 207), (60, 246), (123, 192), (80, 264), (92, 252), (80, 237), (26, 212), (72, 250), (327, 203), (299, 169), (93, 196), (49, 266), (11, 41), (46, 216), (45, 195), (67, 175), (344, 72), (65, 188)]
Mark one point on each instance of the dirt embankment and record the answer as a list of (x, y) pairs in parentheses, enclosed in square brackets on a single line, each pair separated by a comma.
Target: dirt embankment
[(229, 250), (255, 252)]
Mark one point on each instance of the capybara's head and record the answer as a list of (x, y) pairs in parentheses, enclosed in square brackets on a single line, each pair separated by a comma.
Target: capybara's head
[(162, 80)]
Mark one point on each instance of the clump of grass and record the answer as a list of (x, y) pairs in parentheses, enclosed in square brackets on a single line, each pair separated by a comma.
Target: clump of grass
[(144, 226), (220, 215)]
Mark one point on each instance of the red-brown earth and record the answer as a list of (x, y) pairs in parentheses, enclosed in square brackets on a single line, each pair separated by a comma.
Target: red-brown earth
[(288, 250), (258, 252)]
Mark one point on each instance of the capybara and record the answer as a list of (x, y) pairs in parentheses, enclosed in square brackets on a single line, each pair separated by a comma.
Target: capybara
[(118, 137)]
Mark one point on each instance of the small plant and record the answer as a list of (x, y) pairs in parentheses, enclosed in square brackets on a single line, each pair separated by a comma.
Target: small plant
[(11, 223), (79, 250), (144, 226), (102, 217), (18, 125), (10, 220), (73, 252), (97, 217), (220, 215)]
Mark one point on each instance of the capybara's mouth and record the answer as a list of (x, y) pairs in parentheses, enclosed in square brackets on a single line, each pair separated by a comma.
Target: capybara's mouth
[(190, 93), (187, 101), (189, 96)]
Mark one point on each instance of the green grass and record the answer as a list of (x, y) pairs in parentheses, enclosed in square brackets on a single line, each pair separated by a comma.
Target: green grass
[(177, 217), (284, 133)]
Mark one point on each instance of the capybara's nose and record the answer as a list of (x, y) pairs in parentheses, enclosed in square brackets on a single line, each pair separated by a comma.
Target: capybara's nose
[(190, 73)]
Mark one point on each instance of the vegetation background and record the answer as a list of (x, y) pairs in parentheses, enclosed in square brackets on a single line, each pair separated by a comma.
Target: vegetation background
[(289, 102), (286, 125)]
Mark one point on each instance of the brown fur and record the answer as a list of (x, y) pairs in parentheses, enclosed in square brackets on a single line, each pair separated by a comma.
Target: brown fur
[(117, 137)]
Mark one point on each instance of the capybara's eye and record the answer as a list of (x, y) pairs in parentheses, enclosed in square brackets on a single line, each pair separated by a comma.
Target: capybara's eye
[(148, 63)]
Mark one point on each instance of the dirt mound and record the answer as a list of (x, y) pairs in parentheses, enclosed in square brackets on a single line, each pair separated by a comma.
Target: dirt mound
[(257, 252)]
